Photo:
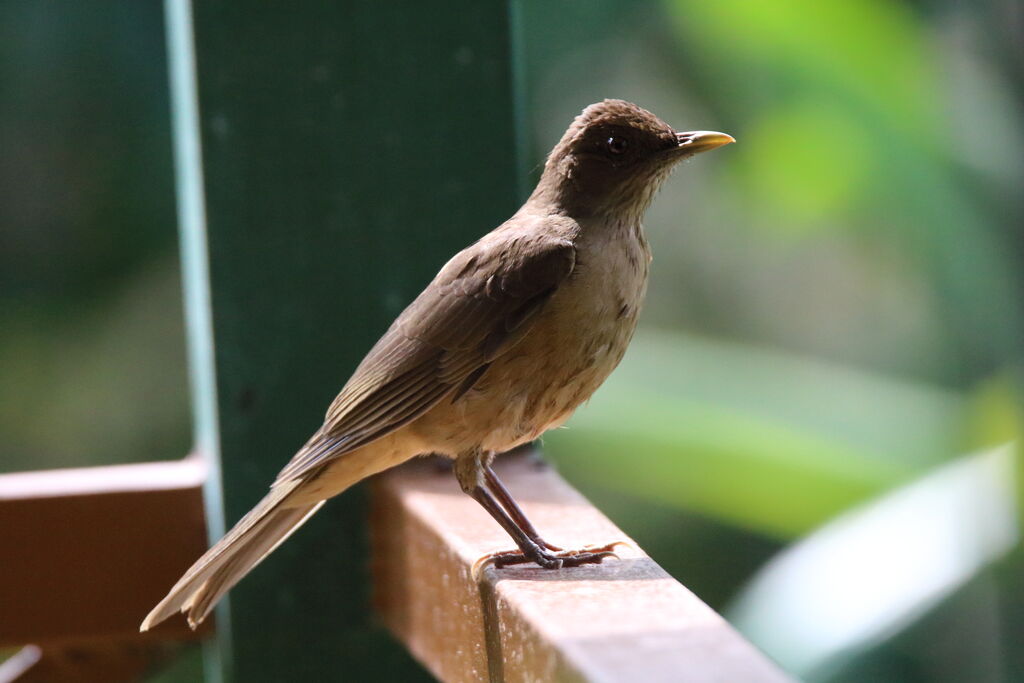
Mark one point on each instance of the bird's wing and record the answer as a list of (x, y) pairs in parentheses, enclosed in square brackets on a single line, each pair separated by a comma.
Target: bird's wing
[(478, 306)]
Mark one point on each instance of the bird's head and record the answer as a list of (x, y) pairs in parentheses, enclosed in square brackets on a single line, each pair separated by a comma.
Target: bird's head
[(614, 157)]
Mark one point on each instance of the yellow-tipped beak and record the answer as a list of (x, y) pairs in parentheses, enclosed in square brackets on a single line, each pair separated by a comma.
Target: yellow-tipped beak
[(696, 141)]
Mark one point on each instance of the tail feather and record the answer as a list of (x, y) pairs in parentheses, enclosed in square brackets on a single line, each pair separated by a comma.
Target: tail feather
[(224, 578), (254, 537)]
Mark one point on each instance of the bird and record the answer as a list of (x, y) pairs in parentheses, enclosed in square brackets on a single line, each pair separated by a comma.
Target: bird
[(512, 335)]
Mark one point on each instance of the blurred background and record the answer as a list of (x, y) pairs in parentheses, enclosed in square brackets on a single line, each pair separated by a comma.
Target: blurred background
[(815, 429)]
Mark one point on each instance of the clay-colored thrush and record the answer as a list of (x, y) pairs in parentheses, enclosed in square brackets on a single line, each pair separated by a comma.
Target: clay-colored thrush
[(512, 335)]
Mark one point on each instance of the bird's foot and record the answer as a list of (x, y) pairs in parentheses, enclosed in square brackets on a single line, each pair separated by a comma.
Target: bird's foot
[(550, 560), (546, 559)]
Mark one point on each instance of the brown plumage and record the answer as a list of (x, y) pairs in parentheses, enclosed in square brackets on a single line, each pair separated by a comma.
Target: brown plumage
[(512, 335)]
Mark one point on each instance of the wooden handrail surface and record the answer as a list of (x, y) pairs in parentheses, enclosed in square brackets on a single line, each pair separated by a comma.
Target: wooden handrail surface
[(624, 620), (85, 553)]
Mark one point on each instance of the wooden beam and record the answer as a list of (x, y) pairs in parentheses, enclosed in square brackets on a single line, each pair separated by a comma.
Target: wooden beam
[(623, 620), (331, 158), (85, 553)]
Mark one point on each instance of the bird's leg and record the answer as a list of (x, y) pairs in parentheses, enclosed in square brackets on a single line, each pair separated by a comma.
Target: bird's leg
[(512, 508), (471, 472)]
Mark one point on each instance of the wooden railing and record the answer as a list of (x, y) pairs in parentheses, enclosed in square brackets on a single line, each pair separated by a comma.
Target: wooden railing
[(86, 553), (623, 620), (83, 553)]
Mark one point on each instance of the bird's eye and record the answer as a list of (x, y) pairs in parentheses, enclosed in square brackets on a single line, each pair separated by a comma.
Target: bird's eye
[(617, 145)]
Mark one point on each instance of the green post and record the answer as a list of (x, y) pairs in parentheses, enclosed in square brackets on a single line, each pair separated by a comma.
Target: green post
[(331, 156)]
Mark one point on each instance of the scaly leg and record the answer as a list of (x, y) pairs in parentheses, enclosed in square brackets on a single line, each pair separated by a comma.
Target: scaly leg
[(504, 497), (471, 471)]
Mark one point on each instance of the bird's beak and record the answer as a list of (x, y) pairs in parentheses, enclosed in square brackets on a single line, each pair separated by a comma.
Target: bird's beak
[(697, 141)]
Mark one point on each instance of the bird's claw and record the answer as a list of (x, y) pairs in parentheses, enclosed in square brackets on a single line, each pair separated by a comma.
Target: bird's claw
[(545, 559)]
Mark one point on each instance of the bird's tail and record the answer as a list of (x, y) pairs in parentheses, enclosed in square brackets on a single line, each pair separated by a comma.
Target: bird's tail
[(254, 537)]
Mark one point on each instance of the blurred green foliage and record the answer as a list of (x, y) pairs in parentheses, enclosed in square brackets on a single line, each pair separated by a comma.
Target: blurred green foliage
[(850, 123), (92, 364), (755, 426)]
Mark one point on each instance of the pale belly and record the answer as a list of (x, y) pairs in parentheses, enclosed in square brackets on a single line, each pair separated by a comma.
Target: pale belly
[(572, 347)]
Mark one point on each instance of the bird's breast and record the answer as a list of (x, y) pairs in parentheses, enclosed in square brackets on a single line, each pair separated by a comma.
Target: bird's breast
[(575, 343)]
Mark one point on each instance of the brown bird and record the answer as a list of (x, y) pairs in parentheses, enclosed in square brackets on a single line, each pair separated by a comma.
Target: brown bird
[(513, 334)]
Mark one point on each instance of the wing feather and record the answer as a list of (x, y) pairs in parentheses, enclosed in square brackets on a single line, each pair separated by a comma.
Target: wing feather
[(478, 306)]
